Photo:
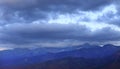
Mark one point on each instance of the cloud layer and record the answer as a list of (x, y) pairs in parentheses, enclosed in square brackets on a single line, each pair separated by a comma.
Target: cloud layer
[(30, 10), (30, 22), (35, 33)]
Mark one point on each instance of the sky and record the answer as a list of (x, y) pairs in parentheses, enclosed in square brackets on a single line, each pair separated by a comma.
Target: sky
[(58, 23)]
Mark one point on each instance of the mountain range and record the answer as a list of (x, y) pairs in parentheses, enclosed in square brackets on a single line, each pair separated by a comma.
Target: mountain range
[(84, 56)]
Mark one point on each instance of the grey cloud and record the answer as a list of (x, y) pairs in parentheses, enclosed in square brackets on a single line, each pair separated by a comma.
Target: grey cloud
[(111, 18), (30, 10), (33, 33), (17, 27), (10, 16), (54, 4), (106, 34)]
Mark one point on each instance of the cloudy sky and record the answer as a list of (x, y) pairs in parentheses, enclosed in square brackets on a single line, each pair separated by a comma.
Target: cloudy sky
[(34, 23)]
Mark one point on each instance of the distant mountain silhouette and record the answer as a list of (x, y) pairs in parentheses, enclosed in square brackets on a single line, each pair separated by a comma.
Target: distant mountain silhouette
[(110, 62), (85, 56)]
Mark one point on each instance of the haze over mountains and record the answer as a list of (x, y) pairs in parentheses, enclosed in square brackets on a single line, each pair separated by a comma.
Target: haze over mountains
[(85, 56)]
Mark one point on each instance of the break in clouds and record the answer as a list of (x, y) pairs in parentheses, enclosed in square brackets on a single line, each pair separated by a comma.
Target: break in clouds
[(58, 22)]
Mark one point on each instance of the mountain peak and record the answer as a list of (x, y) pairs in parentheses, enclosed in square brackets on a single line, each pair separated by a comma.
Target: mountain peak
[(86, 44), (108, 45)]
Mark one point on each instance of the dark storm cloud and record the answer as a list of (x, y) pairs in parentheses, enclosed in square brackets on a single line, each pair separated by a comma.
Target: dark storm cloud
[(54, 4), (33, 33), (106, 34), (17, 21), (30, 10), (11, 16)]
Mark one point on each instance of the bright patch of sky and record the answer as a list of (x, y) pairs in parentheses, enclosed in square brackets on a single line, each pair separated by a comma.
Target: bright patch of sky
[(3, 48), (88, 18)]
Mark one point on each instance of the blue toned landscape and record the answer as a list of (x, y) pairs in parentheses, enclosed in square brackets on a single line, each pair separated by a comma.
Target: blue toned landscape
[(59, 34), (79, 57)]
